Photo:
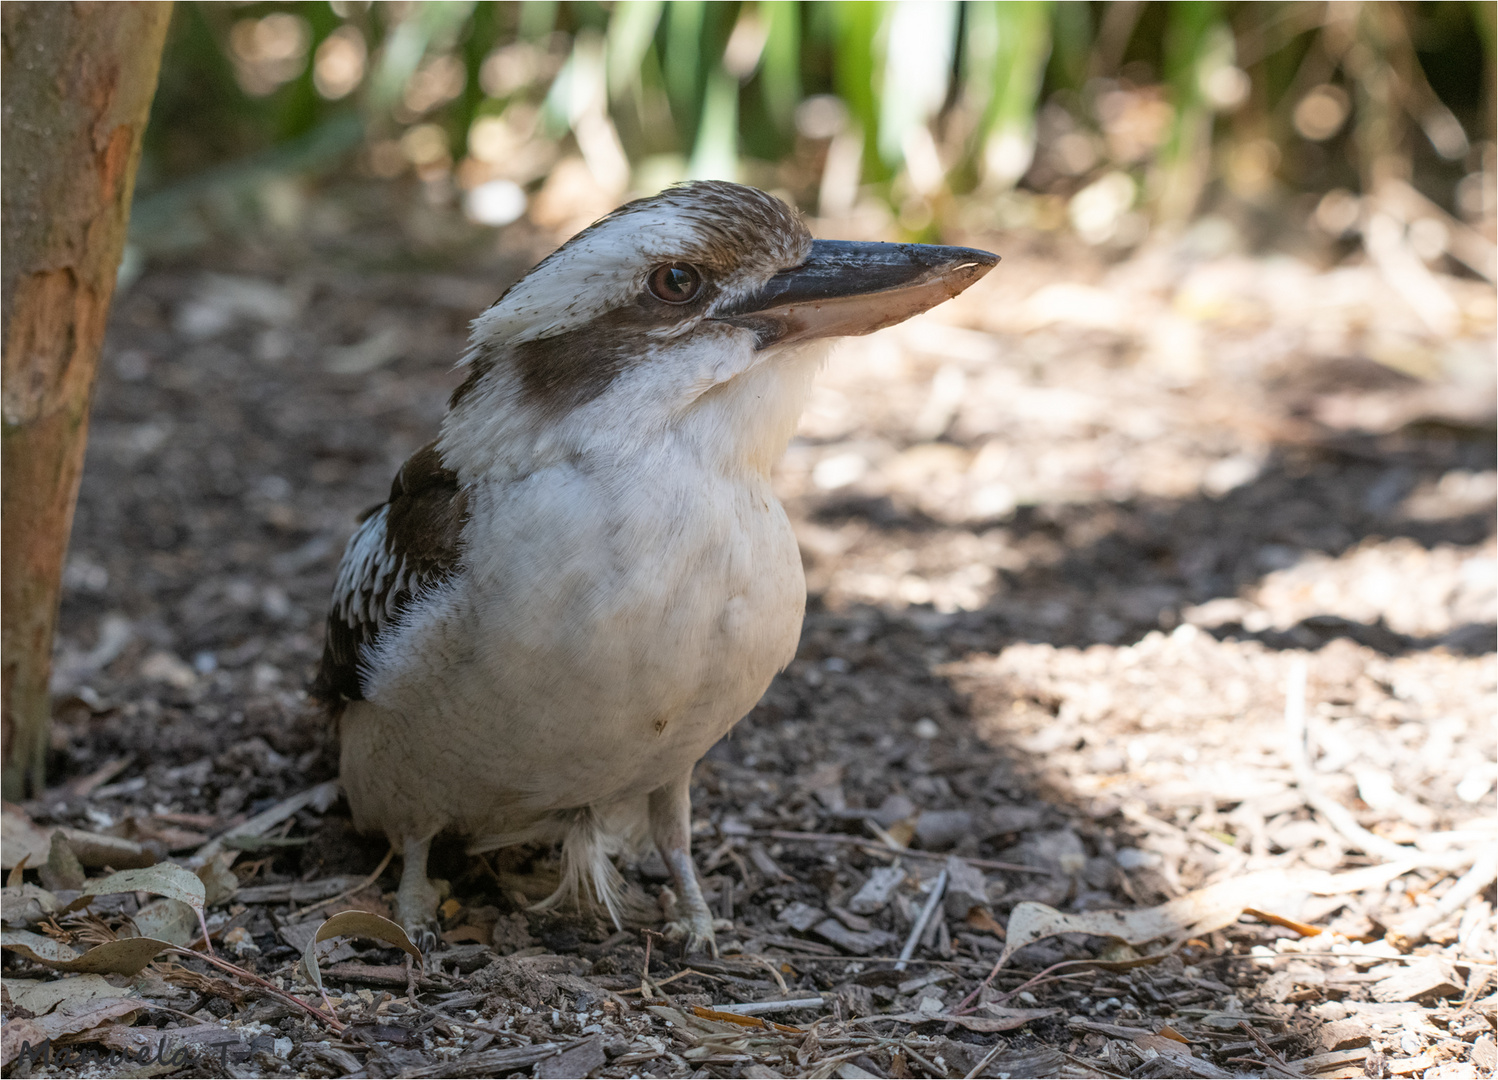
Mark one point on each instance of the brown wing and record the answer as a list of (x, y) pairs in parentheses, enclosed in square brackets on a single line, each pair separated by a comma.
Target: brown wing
[(401, 549)]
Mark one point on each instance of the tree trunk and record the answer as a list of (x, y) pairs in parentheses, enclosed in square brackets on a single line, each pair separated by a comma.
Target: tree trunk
[(75, 89)]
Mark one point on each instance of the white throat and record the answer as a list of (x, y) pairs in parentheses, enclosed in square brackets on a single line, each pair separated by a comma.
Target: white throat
[(734, 425)]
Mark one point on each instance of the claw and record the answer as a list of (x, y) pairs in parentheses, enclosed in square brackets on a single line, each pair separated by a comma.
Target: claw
[(699, 930), (425, 938)]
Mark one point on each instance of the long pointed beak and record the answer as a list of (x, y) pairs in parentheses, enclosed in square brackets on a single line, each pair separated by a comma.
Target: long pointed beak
[(847, 287)]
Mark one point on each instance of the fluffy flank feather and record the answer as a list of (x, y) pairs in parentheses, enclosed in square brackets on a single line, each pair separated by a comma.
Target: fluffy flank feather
[(588, 871)]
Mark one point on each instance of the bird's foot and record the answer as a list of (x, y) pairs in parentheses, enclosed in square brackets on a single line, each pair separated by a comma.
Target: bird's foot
[(698, 929), (423, 936), (416, 911)]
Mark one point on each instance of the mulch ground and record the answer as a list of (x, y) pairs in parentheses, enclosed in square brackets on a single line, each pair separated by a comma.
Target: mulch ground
[(1163, 585)]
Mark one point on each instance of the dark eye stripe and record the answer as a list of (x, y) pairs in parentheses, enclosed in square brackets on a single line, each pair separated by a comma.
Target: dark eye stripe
[(675, 283)]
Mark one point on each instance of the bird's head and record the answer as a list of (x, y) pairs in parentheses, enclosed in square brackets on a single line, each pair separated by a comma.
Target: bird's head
[(700, 313)]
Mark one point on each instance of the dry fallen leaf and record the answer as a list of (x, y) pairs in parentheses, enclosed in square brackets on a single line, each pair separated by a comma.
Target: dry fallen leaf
[(219, 882), (163, 879), (41, 998), (21, 839), (123, 957), (979, 919), (167, 920), (354, 924), (63, 1022), (26, 905), (741, 1020), (184, 890), (1196, 913), (24, 841)]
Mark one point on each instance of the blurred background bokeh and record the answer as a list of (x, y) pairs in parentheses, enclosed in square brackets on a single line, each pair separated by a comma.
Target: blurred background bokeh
[(1294, 125)]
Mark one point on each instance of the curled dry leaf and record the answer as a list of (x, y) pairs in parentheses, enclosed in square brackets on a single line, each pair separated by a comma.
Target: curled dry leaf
[(163, 879), (1198, 912), (21, 839), (354, 924), (26, 905), (24, 841), (219, 882), (123, 957), (163, 921), (43, 997), (167, 920), (62, 1023)]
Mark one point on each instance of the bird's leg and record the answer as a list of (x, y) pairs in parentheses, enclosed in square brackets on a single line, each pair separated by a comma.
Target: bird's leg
[(416, 898), (671, 829)]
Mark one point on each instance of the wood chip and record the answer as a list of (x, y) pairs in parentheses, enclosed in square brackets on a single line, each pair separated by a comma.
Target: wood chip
[(866, 943), (1345, 1035), (801, 917), (579, 1060), (875, 893), (1425, 980), (1410, 1065), (295, 892), (491, 1062)]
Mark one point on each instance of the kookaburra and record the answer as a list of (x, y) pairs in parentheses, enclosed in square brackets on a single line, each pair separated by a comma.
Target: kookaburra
[(586, 579)]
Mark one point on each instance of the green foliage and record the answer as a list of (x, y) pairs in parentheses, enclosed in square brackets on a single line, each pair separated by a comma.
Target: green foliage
[(945, 98)]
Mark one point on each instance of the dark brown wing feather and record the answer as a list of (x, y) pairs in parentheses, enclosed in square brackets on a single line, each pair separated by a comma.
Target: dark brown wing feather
[(402, 548)]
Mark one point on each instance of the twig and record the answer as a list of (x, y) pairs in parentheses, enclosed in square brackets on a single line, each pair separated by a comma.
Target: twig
[(962, 1006), (1270, 1052), (771, 968), (756, 1008), (1465, 889), (267, 819), (864, 842), (446, 1018), (1337, 815), (977, 1070), (1087, 1063), (360, 887), (924, 1062), (270, 988), (682, 974), (922, 919)]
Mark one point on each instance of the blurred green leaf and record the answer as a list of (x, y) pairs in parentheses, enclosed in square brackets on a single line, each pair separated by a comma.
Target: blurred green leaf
[(780, 66), (948, 92), (630, 35), (433, 21), (918, 50)]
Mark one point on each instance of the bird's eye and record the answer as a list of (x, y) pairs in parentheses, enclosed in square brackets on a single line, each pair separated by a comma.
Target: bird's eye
[(675, 283)]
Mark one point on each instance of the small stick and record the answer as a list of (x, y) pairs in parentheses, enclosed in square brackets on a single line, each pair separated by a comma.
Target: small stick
[(977, 1070), (771, 968), (1337, 815), (1270, 1052), (270, 988), (268, 819), (756, 1008), (864, 842), (667, 981), (962, 1005), (366, 883), (1468, 886), (921, 920), (921, 1059)]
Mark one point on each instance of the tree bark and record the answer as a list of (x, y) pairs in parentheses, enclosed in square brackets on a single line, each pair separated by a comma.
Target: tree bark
[(75, 92)]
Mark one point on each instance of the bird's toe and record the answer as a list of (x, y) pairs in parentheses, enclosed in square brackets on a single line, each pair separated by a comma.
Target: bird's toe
[(425, 937), (698, 931)]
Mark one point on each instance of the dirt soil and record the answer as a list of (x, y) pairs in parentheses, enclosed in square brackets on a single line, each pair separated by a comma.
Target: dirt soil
[(1128, 579)]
